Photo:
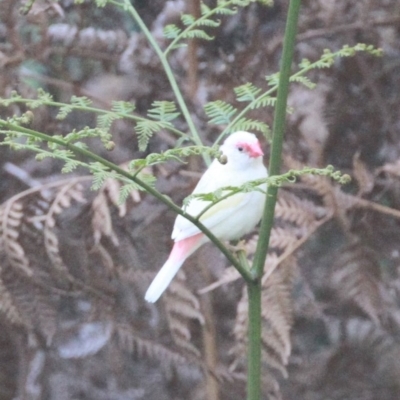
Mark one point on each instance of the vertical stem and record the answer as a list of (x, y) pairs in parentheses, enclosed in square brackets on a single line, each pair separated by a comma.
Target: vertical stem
[(254, 288), (254, 346), (277, 138)]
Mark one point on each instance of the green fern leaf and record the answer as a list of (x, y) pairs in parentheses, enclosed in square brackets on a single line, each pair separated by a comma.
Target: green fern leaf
[(80, 101), (305, 63), (266, 101), (204, 8), (123, 107), (126, 190), (247, 92), (273, 80), (69, 166), (43, 98), (171, 31), (226, 11), (304, 81), (246, 124), (145, 130), (63, 112), (179, 45), (197, 34), (81, 145), (208, 22), (163, 111), (241, 3), (187, 19), (219, 112), (104, 121), (98, 180)]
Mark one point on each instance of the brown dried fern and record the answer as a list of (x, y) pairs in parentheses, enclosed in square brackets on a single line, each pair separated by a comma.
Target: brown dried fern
[(356, 279), (7, 306), (133, 343), (12, 215), (182, 307), (62, 200)]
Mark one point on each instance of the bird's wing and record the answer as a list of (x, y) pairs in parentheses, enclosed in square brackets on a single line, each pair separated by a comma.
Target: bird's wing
[(218, 213)]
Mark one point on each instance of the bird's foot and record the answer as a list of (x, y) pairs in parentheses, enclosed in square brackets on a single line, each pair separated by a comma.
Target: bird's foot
[(236, 247)]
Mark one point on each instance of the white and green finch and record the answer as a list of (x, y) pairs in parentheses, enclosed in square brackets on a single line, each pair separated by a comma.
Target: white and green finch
[(229, 219)]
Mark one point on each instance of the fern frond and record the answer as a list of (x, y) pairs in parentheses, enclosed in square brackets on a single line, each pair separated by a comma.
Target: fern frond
[(101, 220), (64, 111), (182, 307), (123, 107), (226, 11), (273, 79), (356, 279), (263, 101), (247, 124), (133, 343), (304, 81), (171, 31), (187, 19), (277, 314), (219, 112), (43, 97), (300, 212), (127, 189), (7, 306), (12, 216), (105, 121), (204, 8), (246, 92), (164, 111), (69, 166), (100, 174), (35, 306), (197, 34), (81, 101), (209, 22), (192, 24), (145, 130), (71, 191), (282, 238)]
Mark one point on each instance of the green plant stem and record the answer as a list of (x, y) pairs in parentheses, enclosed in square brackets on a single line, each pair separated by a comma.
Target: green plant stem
[(99, 111), (149, 189), (277, 137), (171, 78), (254, 337), (254, 288)]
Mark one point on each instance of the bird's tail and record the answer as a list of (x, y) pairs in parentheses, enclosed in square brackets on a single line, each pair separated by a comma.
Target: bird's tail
[(180, 252)]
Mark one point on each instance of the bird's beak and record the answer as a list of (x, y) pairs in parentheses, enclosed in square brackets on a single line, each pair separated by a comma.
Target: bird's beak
[(255, 150)]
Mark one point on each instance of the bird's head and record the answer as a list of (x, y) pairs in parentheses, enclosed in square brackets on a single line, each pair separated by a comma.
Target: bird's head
[(242, 149)]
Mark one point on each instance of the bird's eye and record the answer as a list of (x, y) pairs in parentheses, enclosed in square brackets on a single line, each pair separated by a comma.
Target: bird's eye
[(240, 148)]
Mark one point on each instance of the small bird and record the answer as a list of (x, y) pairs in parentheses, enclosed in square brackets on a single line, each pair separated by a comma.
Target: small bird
[(228, 219)]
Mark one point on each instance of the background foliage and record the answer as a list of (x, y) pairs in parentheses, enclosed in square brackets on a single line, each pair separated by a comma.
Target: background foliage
[(74, 263)]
